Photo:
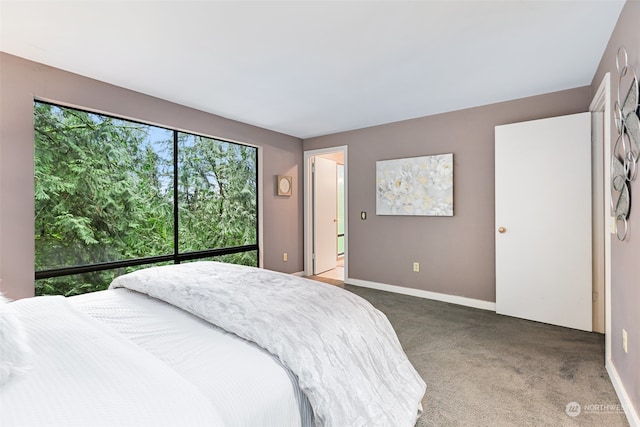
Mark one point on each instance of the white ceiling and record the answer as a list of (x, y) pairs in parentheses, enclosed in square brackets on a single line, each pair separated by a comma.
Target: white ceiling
[(310, 68)]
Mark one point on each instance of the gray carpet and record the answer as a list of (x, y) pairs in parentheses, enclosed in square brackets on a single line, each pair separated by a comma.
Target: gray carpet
[(483, 369)]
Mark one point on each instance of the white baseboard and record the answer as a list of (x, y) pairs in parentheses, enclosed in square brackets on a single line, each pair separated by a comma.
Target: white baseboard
[(625, 401), (298, 273), (453, 299)]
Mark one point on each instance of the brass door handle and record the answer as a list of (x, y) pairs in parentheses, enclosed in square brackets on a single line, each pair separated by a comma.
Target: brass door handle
[(502, 230)]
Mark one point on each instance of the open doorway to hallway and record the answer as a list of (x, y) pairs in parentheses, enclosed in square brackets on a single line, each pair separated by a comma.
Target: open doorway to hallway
[(325, 213)]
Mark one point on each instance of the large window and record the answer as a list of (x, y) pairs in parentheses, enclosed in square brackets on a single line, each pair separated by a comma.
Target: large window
[(112, 195)]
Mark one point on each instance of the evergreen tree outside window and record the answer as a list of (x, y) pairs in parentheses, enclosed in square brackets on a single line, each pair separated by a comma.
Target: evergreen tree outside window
[(113, 195)]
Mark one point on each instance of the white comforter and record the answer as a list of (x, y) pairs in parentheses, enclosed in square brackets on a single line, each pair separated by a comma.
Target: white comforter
[(345, 353)]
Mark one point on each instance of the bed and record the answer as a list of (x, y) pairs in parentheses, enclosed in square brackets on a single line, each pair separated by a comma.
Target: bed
[(204, 343)]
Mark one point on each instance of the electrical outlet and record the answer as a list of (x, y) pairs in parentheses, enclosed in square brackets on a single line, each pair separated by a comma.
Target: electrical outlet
[(624, 340), (284, 257), (416, 267)]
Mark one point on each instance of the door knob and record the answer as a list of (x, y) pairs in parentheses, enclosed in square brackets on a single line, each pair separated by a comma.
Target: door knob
[(502, 230)]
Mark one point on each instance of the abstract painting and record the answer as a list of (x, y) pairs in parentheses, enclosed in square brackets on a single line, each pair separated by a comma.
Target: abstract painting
[(420, 186)]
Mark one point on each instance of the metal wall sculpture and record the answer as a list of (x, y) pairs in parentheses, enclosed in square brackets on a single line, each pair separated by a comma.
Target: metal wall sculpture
[(626, 151)]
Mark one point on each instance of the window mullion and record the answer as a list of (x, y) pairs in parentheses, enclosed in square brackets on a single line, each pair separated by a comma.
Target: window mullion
[(176, 249)]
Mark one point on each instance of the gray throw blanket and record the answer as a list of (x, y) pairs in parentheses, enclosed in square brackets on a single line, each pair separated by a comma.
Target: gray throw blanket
[(345, 353)]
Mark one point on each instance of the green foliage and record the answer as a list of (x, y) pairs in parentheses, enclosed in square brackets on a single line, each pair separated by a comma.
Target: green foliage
[(217, 202), (104, 192), (76, 284)]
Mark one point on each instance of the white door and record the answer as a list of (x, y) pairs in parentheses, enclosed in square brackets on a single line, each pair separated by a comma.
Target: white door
[(543, 220), (325, 211)]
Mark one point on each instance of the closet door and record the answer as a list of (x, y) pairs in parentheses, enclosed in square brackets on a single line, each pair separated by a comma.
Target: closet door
[(543, 220)]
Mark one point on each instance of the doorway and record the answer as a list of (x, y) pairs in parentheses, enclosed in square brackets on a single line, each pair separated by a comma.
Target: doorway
[(326, 213)]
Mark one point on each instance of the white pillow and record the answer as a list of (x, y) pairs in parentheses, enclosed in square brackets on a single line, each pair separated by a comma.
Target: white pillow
[(14, 349)]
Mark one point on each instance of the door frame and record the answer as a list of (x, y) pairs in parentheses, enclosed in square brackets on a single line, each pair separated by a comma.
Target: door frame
[(601, 103), (308, 207)]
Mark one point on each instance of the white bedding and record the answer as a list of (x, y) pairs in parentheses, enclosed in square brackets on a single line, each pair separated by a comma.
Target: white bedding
[(123, 358), (246, 384), (120, 358), (345, 353), (83, 374)]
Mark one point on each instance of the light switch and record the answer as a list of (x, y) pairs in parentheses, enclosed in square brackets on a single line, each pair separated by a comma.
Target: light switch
[(363, 215)]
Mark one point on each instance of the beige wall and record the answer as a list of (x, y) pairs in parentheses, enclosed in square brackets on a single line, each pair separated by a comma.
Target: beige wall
[(21, 81), (625, 256), (456, 254)]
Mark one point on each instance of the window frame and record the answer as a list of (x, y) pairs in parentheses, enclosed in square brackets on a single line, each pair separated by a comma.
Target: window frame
[(177, 257)]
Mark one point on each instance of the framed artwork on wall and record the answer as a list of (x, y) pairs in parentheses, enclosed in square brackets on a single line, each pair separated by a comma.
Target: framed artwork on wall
[(284, 185), (419, 186)]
